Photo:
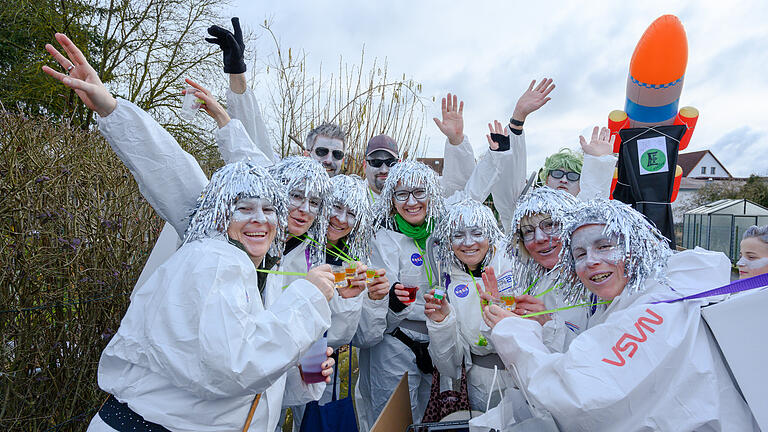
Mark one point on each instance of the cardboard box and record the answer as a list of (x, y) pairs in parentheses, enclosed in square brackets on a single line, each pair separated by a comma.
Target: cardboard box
[(396, 415), (739, 325)]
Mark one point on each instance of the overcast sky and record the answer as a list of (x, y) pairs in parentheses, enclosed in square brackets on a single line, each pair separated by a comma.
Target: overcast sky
[(488, 52)]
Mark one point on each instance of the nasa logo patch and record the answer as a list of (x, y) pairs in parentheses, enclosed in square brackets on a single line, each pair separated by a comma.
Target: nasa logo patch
[(461, 291), (416, 259)]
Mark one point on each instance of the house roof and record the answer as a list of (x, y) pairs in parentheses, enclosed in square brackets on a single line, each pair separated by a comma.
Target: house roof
[(688, 161)]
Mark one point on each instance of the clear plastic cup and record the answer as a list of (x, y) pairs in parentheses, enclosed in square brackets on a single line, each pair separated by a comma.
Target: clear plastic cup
[(190, 105), (339, 277), (311, 362), (439, 293), (412, 290), (370, 275), (349, 269)]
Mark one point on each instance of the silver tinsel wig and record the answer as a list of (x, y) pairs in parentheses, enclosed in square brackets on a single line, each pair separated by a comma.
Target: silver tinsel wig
[(545, 201), (645, 250), (465, 214), (352, 192), (410, 174), (307, 175), (214, 209)]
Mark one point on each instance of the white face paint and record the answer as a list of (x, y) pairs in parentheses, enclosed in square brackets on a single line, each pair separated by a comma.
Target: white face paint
[(343, 215), (592, 246), (377, 176), (754, 258), (752, 264), (467, 237), (254, 210), (297, 199), (563, 184), (325, 150)]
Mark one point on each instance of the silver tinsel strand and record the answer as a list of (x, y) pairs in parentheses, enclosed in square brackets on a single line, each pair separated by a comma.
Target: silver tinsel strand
[(213, 212), (352, 191), (306, 174), (411, 174), (542, 200), (462, 215), (645, 248)]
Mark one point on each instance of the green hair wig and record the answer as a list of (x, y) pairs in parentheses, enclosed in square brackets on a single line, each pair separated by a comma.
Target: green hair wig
[(564, 159)]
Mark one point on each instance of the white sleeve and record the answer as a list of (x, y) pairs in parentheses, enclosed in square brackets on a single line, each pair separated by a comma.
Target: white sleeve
[(168, 177), (459, 162), (596, 177), (297, 392), (245, 107), (511, 166), (386, 255), (235, 145), (444, 347), (244, 353), (373, 322), (345, 315)]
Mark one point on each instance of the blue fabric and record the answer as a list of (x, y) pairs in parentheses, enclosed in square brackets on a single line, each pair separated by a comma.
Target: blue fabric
[(754, 282), (335, 416), (650, 114)]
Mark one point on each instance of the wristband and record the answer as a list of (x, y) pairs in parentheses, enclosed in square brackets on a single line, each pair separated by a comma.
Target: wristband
[(514, 122)]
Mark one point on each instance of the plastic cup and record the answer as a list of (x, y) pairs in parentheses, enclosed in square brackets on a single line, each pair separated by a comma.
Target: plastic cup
[(339, 277), (439, 293), (190, 105), (310, 364), (412, 290), (370, 275), (349, 271), (508, 302)]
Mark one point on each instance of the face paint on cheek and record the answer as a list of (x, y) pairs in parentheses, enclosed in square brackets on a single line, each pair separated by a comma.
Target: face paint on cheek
[(752, 264), (252, 210)]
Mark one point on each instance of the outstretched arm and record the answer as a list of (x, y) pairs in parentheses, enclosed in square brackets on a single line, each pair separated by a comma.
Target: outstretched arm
[(168, 177), (458, 154)]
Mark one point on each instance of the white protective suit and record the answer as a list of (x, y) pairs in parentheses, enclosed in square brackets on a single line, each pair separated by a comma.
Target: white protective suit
[(639, 365), (198, 343), (389, 359)]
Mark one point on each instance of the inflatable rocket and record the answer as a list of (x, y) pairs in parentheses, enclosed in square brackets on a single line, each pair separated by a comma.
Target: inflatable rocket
[(654, 84)]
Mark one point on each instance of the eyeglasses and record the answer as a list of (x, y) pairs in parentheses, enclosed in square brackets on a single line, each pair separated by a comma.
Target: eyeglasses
[(570, 175), (297, 199), (322, 151), (418, 194), (376, 163), (547, 226)]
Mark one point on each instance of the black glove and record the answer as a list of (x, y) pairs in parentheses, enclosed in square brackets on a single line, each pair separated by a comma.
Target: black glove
[(394, 303), (501, 140), (232, 45)]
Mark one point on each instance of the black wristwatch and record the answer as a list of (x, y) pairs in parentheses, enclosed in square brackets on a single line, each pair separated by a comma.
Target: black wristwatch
[(514, 122)]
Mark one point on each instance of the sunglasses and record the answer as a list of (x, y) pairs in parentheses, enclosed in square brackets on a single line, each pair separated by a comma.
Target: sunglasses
[(377, 163), (322, 151), (570, 175)]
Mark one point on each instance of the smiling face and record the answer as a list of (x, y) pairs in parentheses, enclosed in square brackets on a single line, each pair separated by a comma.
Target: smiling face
[(302, 211), (254, 225), (323, 151), (377, 176), (411, 203), (543, 247), (341, 222), (470, 246), (754, 258), (572, 187), (599, 261)]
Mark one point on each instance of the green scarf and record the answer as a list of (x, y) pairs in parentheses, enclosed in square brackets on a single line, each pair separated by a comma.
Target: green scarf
[(419, 234)]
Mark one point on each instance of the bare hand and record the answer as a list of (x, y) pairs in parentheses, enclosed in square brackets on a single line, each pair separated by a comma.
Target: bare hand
[(434, 309), (600, 145), (402, 294), (322, 278), (452, 125), (490, 282), (211, 106), (356, 284), (492, 314), (82, 78), (328, 365), (380, 286), (497, 128), (526, 304), (533, 98)]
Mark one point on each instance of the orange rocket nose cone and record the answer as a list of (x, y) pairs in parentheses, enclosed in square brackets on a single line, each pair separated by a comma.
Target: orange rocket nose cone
[(661, 54)]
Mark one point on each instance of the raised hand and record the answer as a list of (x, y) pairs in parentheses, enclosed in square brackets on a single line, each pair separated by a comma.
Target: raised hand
[(452, 125), (211, 106), (601, 143), (493, 314), (380, 286), (434, 309), (490, 282), (499, 137), (526, 304), (231, 44), (80, 77), (533, 98)]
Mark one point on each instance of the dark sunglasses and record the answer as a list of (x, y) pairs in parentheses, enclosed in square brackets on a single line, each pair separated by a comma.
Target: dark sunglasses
[(322, 151), (376, 163), (570, 175)]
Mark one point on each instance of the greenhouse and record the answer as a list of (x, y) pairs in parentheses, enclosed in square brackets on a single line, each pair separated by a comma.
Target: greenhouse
[(719, 225)]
